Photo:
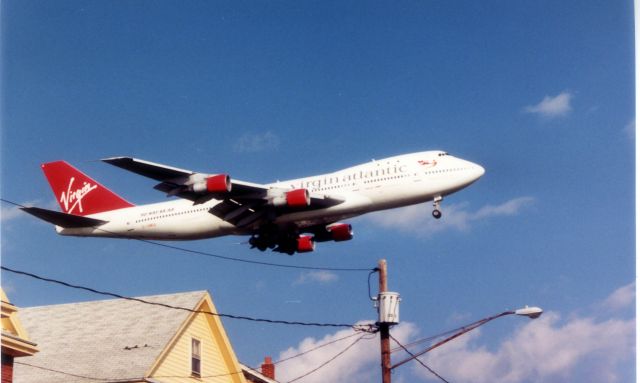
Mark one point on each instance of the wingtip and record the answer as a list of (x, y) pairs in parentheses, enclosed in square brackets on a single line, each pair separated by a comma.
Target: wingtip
[(116, 159)]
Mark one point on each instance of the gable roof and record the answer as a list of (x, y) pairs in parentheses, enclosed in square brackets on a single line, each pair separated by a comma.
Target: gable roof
[(15, 340), (253, 375), (116, 340)]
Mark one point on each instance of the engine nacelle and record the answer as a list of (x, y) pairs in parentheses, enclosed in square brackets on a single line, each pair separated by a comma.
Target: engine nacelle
[(293, 198), (340, 232), (305, 244), (220, 183), (337, 232)]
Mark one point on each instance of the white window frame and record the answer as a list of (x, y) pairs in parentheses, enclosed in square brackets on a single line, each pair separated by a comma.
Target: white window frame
[(197, 357)]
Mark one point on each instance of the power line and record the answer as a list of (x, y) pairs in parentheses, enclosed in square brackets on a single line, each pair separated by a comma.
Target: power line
[(208, 376), (217, 375), (275, 363), (462, 330), (315, 348), (68, 373), (329, 361), (373, 271), (365, 328), (245, 260), (212, 255), (127, 379), (203, 376), (418, 360), (199, 378), (428, 339)]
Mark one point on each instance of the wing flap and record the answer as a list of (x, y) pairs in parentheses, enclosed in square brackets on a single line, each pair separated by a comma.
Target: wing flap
[(323, 201), (239, 214)]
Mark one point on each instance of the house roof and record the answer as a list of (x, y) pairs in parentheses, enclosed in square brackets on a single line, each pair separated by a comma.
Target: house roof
[(116, 340), (253, 375), (15, 340)]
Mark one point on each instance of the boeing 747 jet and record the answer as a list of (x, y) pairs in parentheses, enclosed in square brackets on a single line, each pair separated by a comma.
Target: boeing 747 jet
[(286, 216)]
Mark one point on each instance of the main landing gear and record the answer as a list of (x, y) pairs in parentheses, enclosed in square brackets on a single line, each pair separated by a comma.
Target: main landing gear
[(261, 242), (436, 208), (266, 238), (282, 241)]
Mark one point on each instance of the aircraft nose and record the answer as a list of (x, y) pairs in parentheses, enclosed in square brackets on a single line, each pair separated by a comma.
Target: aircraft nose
[(476, 171), (479, 170)]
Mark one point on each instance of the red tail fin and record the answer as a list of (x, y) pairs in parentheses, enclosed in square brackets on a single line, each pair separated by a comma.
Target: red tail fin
[(77, 193)]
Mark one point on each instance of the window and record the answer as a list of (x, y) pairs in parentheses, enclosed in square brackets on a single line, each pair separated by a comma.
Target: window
[(195, 357)]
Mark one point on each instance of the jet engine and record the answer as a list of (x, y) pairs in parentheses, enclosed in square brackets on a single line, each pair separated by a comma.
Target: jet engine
[(296, 244), (305, 244), (220, 183), (337, 232), (293, 198), (340, 232)]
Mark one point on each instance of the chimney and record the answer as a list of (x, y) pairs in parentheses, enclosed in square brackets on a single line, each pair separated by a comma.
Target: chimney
[(268, 368)]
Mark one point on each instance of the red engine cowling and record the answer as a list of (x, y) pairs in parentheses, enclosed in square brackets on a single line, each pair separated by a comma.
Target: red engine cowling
[(305, 244), (220, 183), (298, 198), (340, 232)]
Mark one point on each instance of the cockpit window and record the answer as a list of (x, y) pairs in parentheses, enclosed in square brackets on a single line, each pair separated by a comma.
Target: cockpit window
[(443, 154)]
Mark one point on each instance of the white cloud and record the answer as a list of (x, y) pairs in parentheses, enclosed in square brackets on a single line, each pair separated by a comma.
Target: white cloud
[(458, 318), (556, 106), (417, 219), (12, 213), (316, 276), (544, 350), (360, 363), (621, 298), (552, 348), (548, 349), (509, 208), (630, 129), (256, 142)]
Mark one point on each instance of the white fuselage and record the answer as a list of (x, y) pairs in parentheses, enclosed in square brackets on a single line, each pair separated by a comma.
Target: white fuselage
[(377, 185)]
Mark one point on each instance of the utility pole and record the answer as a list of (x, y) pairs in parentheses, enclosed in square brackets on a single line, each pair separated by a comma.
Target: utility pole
[(385, 345)]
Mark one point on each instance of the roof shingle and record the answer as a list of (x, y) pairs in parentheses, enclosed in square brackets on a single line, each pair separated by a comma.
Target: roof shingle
[(110, 339)]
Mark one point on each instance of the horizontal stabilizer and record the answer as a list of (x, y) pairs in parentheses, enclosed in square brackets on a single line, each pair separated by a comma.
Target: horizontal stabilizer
[(63, 219)]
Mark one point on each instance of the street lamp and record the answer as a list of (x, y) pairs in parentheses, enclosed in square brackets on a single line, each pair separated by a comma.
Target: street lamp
[(530, 312)]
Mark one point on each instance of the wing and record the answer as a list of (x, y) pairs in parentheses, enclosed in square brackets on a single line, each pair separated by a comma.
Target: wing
[(183, 183), (243, 203)]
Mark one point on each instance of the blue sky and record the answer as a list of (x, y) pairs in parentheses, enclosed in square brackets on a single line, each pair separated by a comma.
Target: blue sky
[(539, 93)]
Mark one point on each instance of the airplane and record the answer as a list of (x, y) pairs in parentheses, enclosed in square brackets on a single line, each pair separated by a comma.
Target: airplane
[(285, 216)]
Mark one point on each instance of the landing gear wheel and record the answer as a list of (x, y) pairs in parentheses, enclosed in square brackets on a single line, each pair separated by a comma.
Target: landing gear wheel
[(436, 207), (258, 242)]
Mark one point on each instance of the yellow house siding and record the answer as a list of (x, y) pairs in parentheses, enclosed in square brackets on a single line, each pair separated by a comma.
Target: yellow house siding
[(218, 362), (15, 340)]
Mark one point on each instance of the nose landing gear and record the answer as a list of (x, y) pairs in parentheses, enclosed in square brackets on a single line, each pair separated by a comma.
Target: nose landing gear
[(436, 208)]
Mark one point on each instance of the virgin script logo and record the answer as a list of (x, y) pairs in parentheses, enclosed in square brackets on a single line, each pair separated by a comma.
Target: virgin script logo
[(74, 198), (428, 163)]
